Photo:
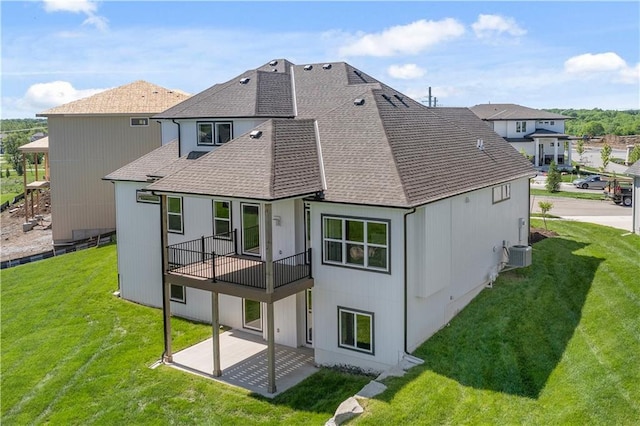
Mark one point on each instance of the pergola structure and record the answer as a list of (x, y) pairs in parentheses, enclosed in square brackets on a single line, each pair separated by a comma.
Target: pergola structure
[(40, 146)]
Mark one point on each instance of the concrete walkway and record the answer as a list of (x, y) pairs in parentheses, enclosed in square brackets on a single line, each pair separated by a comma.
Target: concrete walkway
[(243, 360)]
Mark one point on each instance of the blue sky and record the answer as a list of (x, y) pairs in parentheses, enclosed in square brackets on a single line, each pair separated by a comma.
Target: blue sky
[(541, 54)]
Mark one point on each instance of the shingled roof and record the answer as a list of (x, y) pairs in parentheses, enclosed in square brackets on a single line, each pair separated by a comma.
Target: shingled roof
[(496, 112), (634, 170), (352, 137), (279, 162), (139, 97)]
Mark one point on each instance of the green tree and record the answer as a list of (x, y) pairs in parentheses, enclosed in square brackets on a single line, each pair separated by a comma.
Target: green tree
[(553, 178), (593, 128), (605, 154), (11, 143), (545, 207), (580, 147), (634, 155)]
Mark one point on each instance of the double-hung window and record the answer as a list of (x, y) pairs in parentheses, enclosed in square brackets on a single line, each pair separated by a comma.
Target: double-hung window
[(214, 132), (357, 243), (174, 214), (521, 126), (222, 219), (355, 329)]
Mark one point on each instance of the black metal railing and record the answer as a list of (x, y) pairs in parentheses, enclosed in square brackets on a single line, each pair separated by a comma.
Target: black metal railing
[(291, 269), (186, 254), (239, 270), (251, 239)]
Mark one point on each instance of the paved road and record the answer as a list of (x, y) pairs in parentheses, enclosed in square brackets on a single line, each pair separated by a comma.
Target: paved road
[(594, 211)]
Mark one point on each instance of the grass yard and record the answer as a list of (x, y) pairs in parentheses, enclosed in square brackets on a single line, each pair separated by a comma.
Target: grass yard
[(595, 195), (74, 354), (14, 184), (555, 343)]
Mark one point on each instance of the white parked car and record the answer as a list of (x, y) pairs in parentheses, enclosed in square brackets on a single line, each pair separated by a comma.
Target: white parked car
[(591, 182)]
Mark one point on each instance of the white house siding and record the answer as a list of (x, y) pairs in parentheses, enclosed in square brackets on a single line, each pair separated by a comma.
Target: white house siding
[(82, 150), (500, 127), (511, 129), (189, 131), (454, 246), (362, 290), (169, 131), (139, 246)]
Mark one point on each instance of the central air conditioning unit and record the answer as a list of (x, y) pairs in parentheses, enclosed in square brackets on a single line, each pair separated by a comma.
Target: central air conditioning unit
[(519, 256)]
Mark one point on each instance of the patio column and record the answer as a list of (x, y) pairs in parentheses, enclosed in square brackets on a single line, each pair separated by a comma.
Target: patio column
[(271, 349), (215, 328), (24, 180), (555, 151), (536, 151), (570, 147), (166, 286)]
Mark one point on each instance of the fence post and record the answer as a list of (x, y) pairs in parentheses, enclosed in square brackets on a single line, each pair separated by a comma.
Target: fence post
[(310, 263), (235, 241), (213, 266)]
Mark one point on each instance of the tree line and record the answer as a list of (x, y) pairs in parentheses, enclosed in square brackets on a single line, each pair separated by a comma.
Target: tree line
[(598, 122), (17, 132)]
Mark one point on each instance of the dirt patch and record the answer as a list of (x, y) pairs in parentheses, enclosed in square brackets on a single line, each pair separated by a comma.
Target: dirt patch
[(617, 142), (15, 242), (539, 234)]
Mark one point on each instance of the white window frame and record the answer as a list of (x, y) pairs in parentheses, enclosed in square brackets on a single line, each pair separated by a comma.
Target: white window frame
[(183, 299), (344, 242), (501, 193), (178, 214), (215, 132), (521, 126), (226, 219), (356, 313), (139, 121)]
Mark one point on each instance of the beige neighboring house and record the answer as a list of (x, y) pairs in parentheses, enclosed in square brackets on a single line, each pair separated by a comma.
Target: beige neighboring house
[(89, 138)]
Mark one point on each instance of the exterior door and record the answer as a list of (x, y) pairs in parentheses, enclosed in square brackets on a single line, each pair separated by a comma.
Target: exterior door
[(252, 314), (251, 229), (541, 154)]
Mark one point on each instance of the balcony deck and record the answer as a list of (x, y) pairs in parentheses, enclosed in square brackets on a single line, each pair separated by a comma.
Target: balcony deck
[(192, 265)]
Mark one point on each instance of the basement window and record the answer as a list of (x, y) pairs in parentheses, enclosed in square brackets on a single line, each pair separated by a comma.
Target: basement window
[(355, 330), (178, 294), (139, 122)]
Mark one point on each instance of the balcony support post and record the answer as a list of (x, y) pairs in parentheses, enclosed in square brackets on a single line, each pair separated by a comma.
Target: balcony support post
[(271, 345), (167, 355), (215, 328)]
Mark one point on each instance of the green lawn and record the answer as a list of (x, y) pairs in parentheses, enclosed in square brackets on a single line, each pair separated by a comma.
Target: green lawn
[(555, 343), (74, 354), (14, 184), (595, 195)]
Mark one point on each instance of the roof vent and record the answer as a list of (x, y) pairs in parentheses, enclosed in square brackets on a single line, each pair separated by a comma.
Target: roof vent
[(480, 144), (255, 134), (244, 80), (326, 67), (386, 97), (358, 101), (398, 97), (273, 63), (274, 70), (308, 67), (358, 73)]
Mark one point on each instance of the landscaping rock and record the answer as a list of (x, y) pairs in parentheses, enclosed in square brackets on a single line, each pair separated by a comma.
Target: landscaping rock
[(371, 389), (347, 410)]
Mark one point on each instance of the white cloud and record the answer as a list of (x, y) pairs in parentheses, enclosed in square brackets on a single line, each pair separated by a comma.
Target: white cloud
[(412, 38), (493, 25), (86, 7), (590, 65), (406, 71), (48, 95)]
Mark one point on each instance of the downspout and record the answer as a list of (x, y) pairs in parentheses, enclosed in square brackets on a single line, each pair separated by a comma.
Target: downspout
[(164, 290), (179, 137), (406, 281)]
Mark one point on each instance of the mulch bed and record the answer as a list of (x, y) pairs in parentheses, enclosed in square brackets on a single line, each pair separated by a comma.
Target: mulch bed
[(539, 234)]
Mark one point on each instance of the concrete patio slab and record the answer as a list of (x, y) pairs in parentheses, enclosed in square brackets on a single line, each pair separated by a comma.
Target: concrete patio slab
[(243, 360)]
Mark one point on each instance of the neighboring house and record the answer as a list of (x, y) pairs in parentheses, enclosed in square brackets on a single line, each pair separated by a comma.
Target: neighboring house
[(90, 137), (316, 206), (634, 171), (537, 133)]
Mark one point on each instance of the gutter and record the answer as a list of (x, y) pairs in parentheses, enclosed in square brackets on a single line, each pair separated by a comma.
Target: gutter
[(406, 284), (179, 135)]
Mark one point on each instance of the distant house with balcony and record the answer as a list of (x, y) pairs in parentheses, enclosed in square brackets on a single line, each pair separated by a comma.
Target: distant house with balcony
[(91, 137), (314, 206), (537, 133)]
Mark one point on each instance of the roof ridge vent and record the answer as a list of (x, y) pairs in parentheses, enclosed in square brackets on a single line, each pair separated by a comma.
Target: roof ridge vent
[(244, 80), (358, 101), (326, 67), (308, 67), (273, 63)]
